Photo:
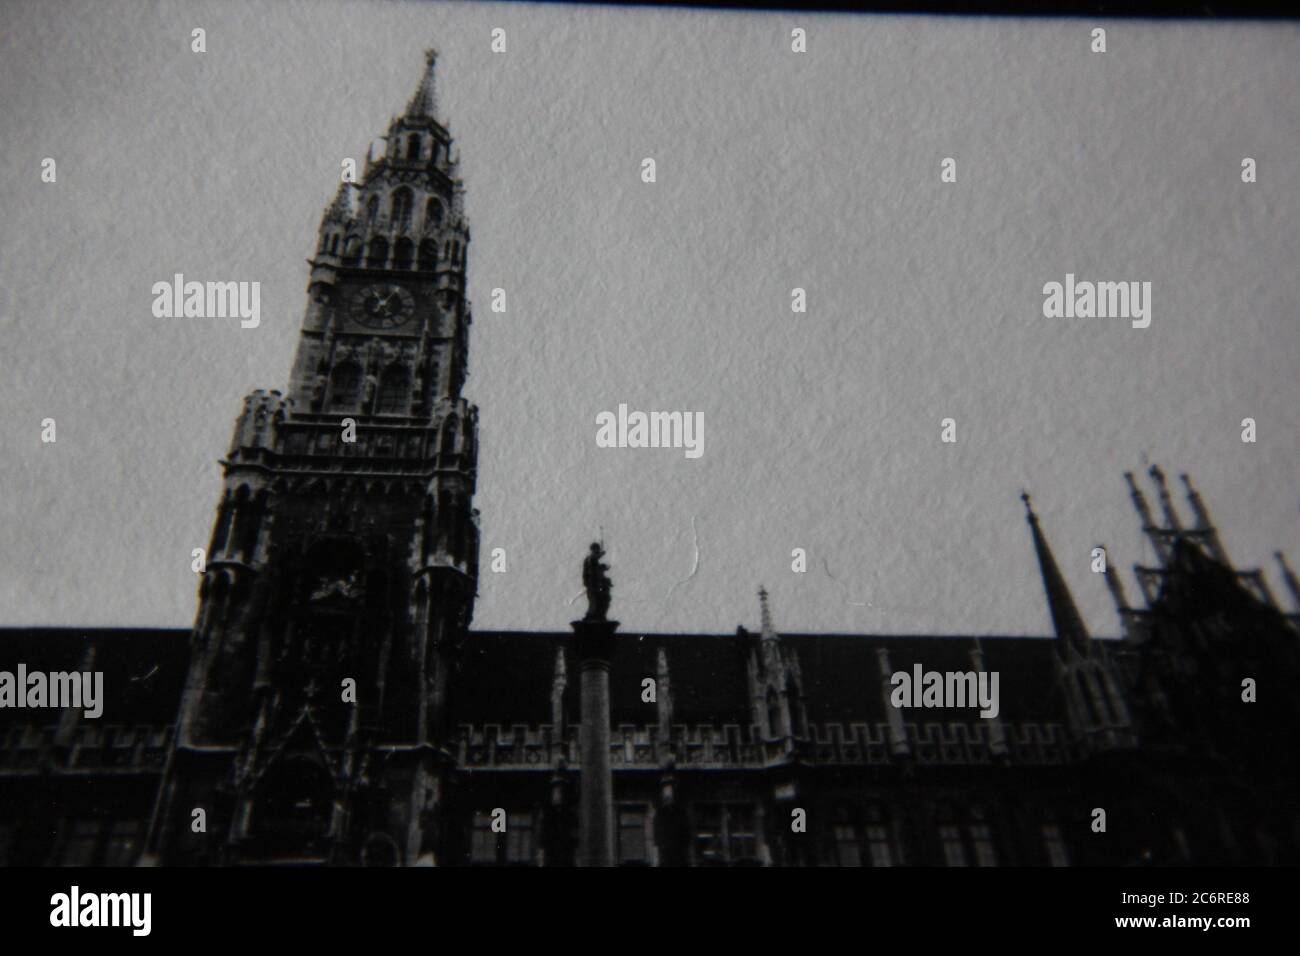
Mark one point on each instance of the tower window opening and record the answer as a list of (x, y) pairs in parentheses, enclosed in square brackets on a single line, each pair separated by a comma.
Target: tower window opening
[(352, 250), (347, 385), (394, 391), (402, 207), (433, 213)]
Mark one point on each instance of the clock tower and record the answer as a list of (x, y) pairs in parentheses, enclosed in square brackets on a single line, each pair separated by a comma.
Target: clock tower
[(342, 568)]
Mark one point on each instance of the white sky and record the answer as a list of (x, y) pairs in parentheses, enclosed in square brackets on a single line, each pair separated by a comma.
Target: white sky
[(774, 171)]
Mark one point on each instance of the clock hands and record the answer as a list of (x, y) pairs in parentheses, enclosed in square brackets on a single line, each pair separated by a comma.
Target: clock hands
[(387, 305)]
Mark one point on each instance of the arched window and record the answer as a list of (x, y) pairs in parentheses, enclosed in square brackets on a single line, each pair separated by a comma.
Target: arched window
[(433, 213), (981, 838), (413, 146), (458, 533), (334, 244), (428, 255), (216, 610), (798, 726), (403, 254), (222, 532), (346, 385), (444, 515), (879, 838), (378, 254), (352, 250), (248, 525), (372, 208), (430, 532), (773, 713), (449, 436), (402, 207), (954, 849), (394, 391)]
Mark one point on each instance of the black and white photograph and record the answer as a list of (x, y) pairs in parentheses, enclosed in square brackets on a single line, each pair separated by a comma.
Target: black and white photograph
[(566, 435)]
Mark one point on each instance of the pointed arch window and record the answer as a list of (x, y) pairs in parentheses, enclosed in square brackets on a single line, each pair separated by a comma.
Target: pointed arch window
[(351, 250), (394, 391), (981, 838), (378, 253), (346, 386), (433, 213), (248, 526), (402, 207), (413, 146), (1054, 843), (372, 208), (222, 532), (449, 436), (798, 723)]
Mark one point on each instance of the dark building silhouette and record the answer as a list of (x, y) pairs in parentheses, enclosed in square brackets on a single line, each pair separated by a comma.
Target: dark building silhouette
[(332, 706)]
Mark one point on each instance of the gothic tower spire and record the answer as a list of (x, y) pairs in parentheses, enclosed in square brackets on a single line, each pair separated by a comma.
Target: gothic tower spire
[(1071, 635), (768, 631), (424, 104), (344, 559)]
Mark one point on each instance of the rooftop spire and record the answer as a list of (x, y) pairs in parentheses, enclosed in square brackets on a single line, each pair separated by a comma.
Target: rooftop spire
[(425, 103), (769, 632), (341, 208), (1114, 584), (1066, 620), (1139, 501), (1203, 522), (1166, 503)]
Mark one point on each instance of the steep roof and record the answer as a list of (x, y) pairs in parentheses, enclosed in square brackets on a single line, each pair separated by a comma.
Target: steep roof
[(841, 676), (505, 676)]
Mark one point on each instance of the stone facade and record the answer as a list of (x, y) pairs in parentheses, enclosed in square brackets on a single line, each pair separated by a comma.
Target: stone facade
[(345, 548)]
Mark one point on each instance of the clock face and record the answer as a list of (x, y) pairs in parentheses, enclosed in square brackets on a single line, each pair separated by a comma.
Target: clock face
[(383, 306)]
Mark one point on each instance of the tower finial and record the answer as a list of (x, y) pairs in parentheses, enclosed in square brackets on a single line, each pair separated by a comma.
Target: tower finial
[(1139, 501), (425, 103), (1203, 522), (769, 632)]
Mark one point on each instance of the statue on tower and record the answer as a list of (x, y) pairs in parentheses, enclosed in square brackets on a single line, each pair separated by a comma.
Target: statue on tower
[(597, 583)]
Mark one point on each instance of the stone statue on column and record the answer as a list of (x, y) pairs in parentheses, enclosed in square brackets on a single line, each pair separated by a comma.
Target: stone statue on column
[(597, 584)]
